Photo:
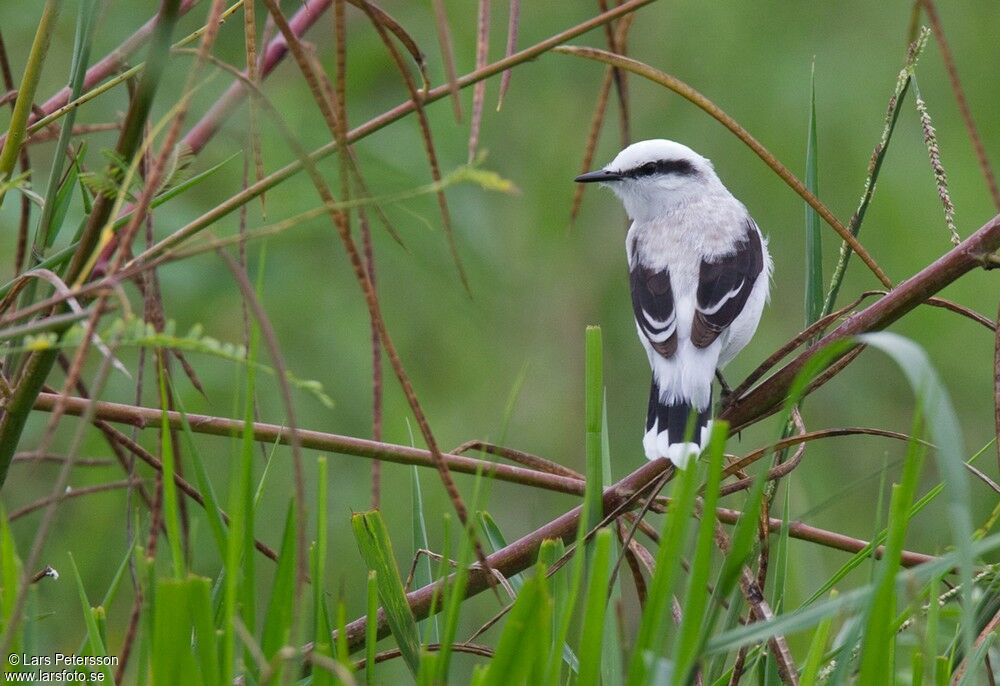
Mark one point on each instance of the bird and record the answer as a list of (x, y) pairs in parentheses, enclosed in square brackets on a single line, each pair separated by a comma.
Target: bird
[(699, 274)]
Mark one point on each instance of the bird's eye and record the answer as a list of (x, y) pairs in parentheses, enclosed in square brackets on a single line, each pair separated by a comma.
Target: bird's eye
[(648, 168)]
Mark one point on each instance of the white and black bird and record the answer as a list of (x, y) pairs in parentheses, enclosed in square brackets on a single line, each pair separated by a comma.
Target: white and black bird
[(699, 272)]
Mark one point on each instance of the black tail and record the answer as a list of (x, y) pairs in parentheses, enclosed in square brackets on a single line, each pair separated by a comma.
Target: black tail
[(673, 418)]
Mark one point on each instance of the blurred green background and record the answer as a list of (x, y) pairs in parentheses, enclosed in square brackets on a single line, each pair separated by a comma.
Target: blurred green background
[(536, 282)]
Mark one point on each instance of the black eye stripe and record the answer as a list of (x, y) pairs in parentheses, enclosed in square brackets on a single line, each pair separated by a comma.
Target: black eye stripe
[(681, 167)]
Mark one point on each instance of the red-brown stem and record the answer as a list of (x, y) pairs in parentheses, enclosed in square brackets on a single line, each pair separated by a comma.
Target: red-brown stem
[(107, 66), (275, 51)]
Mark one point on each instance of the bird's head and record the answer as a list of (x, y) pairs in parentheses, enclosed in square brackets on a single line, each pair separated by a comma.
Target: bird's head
[(650, 176)]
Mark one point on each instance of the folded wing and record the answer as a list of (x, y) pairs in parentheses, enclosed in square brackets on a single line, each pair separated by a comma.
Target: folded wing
[(653, 307), (724, 285)]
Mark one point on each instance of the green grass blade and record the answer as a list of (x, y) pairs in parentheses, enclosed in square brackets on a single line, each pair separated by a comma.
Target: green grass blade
[(278, 617), (569, 597), (430, 631), (942, 420), (343, 650), (817, 649), (57, 195), (878, 639), (212, 510), (942, 670), (94, 639), (673, 538), (972, 674), (591, 641), (550, 551), (517, 649), (17, 128), (199, 592), (171, 510), (376, 549), (850, 601), (371, 627), (814, 246), (916, 669), (594, 392), (453, 597), (10, 576), (495, 539), (686, 648), (177, 619), (321, 619), (875, 166)]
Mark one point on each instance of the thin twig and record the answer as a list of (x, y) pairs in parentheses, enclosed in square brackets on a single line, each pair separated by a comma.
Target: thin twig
[(479, 90), (513, 24), (448, 55), (71, 493)]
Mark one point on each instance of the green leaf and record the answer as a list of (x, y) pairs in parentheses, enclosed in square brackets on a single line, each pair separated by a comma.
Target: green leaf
[(518, 648), (686, 648), (423, 574), (212, 510), (673, 539), (856, 599), (596, 604), (376, 549), (814, 247), (942, 420), (371, 627), (321, 619), (278, 617), (817, 649), (94, 639), (171, 508), (10, 572), (878, 638), (594, 389), (181, 613)]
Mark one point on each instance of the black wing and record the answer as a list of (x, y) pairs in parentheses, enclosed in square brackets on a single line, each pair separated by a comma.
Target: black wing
[(653, 307), (724, 286)]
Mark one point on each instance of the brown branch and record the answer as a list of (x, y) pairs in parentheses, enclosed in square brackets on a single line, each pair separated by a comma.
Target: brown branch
[(147, 417), (962, 259), (470, 648), (829, 539)]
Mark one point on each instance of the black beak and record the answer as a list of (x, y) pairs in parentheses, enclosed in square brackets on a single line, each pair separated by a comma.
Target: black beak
[(598, 176)]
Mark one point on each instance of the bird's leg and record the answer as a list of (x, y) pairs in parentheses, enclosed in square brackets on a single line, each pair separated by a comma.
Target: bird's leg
[(726, 391)]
